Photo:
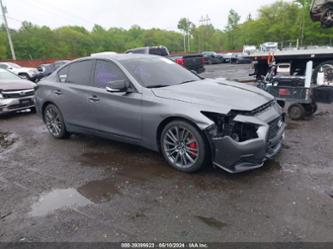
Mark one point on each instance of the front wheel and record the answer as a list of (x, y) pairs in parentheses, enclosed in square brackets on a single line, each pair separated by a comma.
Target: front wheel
[(184, 147), (296, 112), (55, 122)]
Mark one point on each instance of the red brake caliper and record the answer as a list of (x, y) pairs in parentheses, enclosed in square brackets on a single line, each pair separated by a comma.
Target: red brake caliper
[(193, 146)]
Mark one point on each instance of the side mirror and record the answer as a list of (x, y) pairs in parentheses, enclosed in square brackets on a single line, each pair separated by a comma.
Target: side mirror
[(117, 86)]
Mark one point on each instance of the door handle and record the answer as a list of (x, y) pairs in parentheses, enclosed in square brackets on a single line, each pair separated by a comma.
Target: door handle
[(94, 98), (57, 92)]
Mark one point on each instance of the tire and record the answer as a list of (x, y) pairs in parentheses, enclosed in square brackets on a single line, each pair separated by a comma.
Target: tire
[(310, 109), (55, 122), (327, 18), (296, 112), (187, 151)]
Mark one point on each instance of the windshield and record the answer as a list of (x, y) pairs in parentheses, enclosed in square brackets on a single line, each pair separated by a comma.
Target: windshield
[(6, 75), (158, 72), (13, 65)]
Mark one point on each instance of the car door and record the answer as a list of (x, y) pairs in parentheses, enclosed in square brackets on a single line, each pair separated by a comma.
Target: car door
[(75, 94), (116, 114)]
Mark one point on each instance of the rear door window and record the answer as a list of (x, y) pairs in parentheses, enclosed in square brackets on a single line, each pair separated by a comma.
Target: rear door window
[(107, 71), (80, 72)]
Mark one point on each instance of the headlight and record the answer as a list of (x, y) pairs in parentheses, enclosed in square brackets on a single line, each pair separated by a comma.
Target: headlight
[(226, 126)]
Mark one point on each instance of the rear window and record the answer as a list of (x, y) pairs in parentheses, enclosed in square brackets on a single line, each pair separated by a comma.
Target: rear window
[(159, 51)]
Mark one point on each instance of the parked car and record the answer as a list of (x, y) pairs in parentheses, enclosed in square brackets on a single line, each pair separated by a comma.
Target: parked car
[(227, 57), (212, 57), (239, 58), (322, 10), (47, 69), (153, 102), (194, 62), (16, 94), (28, 73)]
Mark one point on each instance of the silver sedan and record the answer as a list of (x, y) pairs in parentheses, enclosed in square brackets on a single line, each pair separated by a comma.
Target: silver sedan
[(153, 102)]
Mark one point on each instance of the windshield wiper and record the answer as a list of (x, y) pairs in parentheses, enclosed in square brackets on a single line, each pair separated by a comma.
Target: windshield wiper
[(157, 86)]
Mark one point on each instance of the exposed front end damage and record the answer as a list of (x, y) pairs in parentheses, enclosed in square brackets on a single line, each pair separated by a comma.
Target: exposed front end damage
[(243, 141)]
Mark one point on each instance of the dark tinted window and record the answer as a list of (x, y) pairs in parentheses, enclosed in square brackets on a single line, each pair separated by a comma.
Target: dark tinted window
[(106, 72), (159, 51), (79, 72), (4, 66), (159, 71)]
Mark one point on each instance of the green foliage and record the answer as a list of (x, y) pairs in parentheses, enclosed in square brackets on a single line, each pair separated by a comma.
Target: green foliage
[(35, 42), (283, 21)]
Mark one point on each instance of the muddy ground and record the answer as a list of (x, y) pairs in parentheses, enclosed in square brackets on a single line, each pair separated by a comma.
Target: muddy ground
[(90, 189)]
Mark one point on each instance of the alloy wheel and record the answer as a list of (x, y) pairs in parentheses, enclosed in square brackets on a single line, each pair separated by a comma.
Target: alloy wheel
[(53, 121), (181, 147)]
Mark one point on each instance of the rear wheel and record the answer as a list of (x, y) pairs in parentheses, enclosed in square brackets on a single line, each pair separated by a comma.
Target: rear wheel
[(55, 122), (296, 112), (183, 146)]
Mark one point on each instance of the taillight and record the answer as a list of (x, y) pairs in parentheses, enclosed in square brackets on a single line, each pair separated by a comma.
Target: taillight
[(284, 92), (180, 61)]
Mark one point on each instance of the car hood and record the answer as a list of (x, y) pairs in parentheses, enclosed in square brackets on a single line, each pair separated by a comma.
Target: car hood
[(16, 85), (218, 93)]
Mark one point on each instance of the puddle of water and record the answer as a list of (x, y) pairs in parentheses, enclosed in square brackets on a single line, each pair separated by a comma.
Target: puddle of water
[(58, 199), (99, 191), (212, 222)]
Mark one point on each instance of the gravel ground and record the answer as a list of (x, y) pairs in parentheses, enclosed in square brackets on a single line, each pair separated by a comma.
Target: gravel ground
[(90, 189)]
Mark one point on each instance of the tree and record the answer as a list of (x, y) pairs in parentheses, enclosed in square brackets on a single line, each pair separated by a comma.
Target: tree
[(186, 26), (232, 28)]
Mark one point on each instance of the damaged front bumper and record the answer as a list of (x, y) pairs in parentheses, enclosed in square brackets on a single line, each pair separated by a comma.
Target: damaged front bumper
[(236, 157)]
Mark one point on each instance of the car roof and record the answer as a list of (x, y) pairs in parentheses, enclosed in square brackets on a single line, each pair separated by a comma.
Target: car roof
[(121, 57)]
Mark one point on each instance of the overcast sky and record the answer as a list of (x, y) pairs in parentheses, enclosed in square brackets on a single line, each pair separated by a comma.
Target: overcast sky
[(163, 14)]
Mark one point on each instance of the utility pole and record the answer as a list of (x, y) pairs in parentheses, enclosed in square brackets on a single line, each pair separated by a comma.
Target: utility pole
[(189, 35), (4, 11), (204, 21)]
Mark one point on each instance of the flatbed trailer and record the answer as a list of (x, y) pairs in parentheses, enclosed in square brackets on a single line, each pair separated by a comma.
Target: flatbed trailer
[(322, 59)]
